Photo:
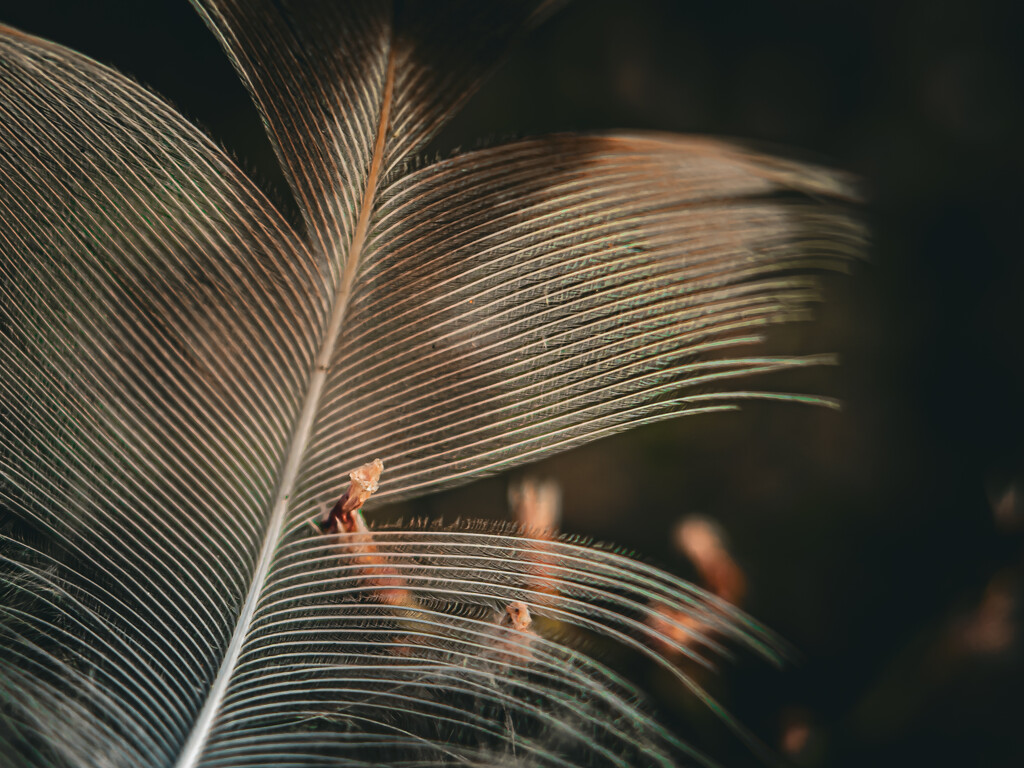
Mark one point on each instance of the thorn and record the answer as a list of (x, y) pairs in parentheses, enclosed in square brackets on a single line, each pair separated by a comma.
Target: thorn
[(703, 542), (537, 507), (346, 519)]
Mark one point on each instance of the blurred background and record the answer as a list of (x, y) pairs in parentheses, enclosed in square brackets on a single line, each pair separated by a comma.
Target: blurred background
[(884, 542)]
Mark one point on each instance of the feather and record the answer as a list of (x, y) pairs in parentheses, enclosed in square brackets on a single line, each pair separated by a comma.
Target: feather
[(186, 380)]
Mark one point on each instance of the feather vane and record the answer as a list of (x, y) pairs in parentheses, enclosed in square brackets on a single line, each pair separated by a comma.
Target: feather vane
[(187, 380)]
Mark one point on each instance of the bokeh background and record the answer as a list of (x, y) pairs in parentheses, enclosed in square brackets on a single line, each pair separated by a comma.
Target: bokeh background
[(884, 542)]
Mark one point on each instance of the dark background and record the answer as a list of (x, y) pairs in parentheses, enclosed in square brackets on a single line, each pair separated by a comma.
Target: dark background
[(884, 542)]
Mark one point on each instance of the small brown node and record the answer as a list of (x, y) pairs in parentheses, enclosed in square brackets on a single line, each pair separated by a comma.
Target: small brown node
[(515, 649), (517, 616)]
